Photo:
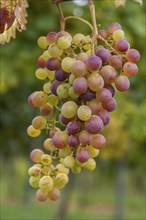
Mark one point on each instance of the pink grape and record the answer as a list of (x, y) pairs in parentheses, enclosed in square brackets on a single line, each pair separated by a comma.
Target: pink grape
[(130, 69), (103, 33), (110, 88), (83, 155), (82, 56), (41, 196), (51, 133), (60, 139), (41, 62), (53, 64), (51, 37), (94, 124), (39, 99), (133, 55), (73, 140), (121, 45), (104, 95), (78, 68), (73, 127), (95, 82), (94, 63), (95, 106), (54, 194), (104, 115), (110, 105), (85, 137), (109, 74), (98, 141), (46, 109), (36, 155), (80, 85), (122, 83), (116, 61), (113, 27), (104, 54)]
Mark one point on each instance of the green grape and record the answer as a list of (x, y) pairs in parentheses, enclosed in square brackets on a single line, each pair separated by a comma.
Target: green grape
[(46, 159), (39, 122), (78, 39), (46, 170), (55, 51), (69, 109), (90, 165), (93, 152), (118, 35), (71, 79), (34, 181), (47, 87), (53, 99), (60, 168), (62, 90), (34, 171), (72, 93), (54, 194), (42, 42), (64, 152), (50, 74), (84, 112), (41, 74), (64, 42), (66, 64), (32, 132), (76, 169), (48, 144), (46, 183), (69, 161), (46, 55), (61, 180)]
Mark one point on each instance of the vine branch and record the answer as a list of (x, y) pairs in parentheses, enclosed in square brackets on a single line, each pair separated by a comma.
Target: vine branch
[(62, 19), (81, 19)]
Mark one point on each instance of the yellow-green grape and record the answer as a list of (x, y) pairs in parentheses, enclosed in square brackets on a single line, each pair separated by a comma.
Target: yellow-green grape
[(61, 180), (48, 144), (90, 165), (76, 169), (84, 112), (50, 74), (66, 64), (64, 42), (69, 109), (41, 74), (54, 194), (88, 52), (64, 152), (118, 35), (46, 184), (47, 87), (46, 170), (72, 93), (34, 171), (46, 55), (32, 132), (60, 168), (87, 39), (78, 164), (71, 79), (69, 161), (87, 47), (55, 51), (34, 181), (53, 99), (39, 122), (62, 90), (78, 39), (42, 42), (46, 160), (93, 152)]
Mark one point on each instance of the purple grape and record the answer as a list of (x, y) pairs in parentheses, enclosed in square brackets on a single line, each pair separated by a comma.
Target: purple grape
[(53, 64), (94, 63), (83, 155), (130, 69), (85, 137), (104, 95), (110, 105), (121, 45), (80, 85), (54, 87), (122, 83), (113, 27), (60, 75), (64, 120), (88, 95), (94, 105), (94, 124), (116, 62), (109, 74), (60, 139), (103, 33), (73, 127), (110, 88), (73, 140), (104, 54), (132, 55), (104, 115)]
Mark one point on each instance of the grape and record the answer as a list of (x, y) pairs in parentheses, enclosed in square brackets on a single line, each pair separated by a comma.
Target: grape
[(78, 68), (46, 160), (73, 94), (73, 127), (113, 27), (54, 194), (84, 112), (66, 64), (53, 99), (110, 88), (36, 155), (53, 131), (69, 161), (98, 141), (46, 184), (122, 83), (63, 120), (46, 55), (60, 139), (80, 85), (95, 82), (39, 122), (39, 99), (46, 88), (62, 90), (41, 74), (93, 152), (121, 45), (103, 33), (109, 74), (50, 74), (83, 155), (55, 51), (104, 54), (63, 34), (90, 165), (85, 137), (71, 79), (42, 42), (48, 144), (88, 95), (34, 182), (46, 109), (61, 180), (118, 35), (73, 140), (104, 95), (94, 63), (82, 56), (60, 75), (76, 169), (34, 171), (110, 105), (104, 115), (94, 124), (78, 39), (65, 152), (95, 106), (130, 69), (116, 61), (60, 168), (63, 42), (53, 64), (132, 55), (54, 87), (51, 37), (69, 109), (41, 62), (41, 196), (32, 132)]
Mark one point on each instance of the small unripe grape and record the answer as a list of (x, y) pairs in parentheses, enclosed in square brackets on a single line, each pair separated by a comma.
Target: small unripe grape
[(69, 161), (46, 184), (64, 152), (41, 196), (113, 27), (46, 159), (90, 165), (76, 169), (63, 42), (34, 171), (118, 35), (103, 33), (54, 194), (55, 51), (60, 168), (42, 42), (50, 74), (72, 93), (61, 180), (48, 144), (53, 99), (82, 56), (69, 109), (46, 55), (84, 112), (66, 64), (93, 152), (41, 62), (47, 87), (62, 90), (32, 132), (39, 122), (36, 155), (41, 74), (34, 182), (71, 79), (39, 98), (63, 34), (78, 39)]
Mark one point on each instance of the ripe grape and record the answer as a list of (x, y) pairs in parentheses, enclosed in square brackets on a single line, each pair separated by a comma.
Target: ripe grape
[(130, 69), (109, 74), (116, 61), (94, 124), (113, 27), (132, 55), (51, 37), (82, 56), (46, 109), (110, 88), (83, 155), (54, 194), (41, 196), (104, 95), (94, 63), (32, 132), (104, 54), (73, 127), (41, 62), (63, 34), (39, 98), (121, 45), (103, 33), (73, 140), (95, 82), (104, 115), (88, 95), (69, 109), (66, 64), (84, 112), (54, 87), (110, 105), (98, 141), (53, 64), (39, 122), (60, 75), (122, 83), (95, 106), (36, 155), (48, 144), (60, 139), (80, 85), (78, 68), (85, 137)]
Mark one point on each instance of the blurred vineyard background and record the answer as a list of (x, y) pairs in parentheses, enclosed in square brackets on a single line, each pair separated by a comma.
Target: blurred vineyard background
[(116, 189)]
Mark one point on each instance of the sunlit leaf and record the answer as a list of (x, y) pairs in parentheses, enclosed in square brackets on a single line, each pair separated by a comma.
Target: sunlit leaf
[(139, 1)]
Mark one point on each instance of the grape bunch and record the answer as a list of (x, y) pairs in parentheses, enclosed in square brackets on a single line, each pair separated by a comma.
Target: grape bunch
[(78, 94)]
